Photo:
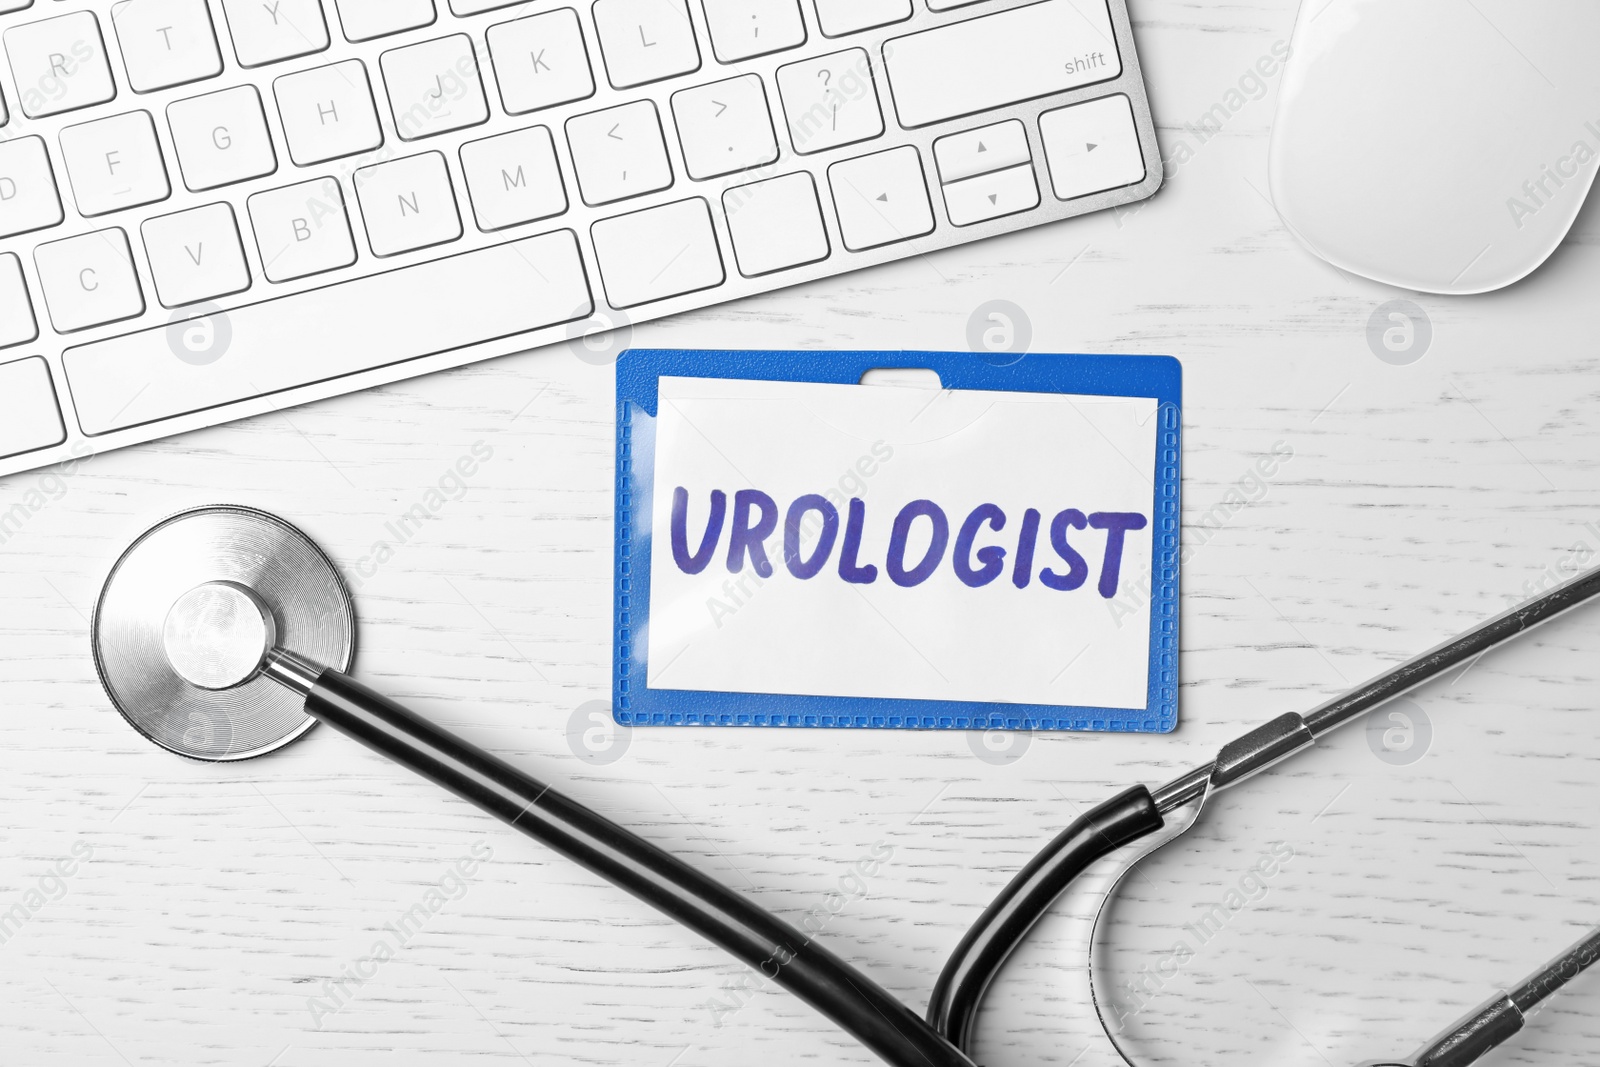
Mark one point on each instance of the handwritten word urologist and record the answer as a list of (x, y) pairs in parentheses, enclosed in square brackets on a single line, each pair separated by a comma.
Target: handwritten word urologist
[(755, 517)]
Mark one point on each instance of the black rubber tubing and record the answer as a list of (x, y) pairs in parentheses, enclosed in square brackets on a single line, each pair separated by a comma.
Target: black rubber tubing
[(773, 947), (1004, 924)]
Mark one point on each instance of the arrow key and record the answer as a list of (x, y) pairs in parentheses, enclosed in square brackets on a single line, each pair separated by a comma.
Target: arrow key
[(1092, 147), (989, 196), (981, 151), (881, 198)]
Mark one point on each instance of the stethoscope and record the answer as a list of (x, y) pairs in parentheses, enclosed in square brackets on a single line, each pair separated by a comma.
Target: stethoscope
[(224, 633)]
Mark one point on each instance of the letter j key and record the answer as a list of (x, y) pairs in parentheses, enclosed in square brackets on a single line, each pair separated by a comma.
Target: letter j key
[(434, 87)]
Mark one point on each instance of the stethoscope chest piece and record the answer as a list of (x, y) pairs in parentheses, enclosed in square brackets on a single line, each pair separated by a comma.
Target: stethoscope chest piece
[(236, 570)]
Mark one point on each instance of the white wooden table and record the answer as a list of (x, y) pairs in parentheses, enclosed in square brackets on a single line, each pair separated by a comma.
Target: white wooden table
[(209, 905)]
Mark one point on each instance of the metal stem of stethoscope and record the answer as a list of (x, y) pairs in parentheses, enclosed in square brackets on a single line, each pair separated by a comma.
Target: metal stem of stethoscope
[(221, 629), (1139, 812)]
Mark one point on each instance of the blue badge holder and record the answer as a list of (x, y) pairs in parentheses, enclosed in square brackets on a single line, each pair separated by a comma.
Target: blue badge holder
[(635, 703)]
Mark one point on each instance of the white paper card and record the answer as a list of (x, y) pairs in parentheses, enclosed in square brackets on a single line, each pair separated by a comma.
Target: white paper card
[(1020, 518)]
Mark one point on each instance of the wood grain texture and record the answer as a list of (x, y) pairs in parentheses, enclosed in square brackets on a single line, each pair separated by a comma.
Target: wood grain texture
[(218, 900)]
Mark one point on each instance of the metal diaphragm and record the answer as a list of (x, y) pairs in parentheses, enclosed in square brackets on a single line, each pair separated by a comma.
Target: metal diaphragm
[(310, 610)]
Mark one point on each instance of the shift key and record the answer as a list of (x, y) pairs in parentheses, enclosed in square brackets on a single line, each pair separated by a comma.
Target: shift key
[(964, 68)]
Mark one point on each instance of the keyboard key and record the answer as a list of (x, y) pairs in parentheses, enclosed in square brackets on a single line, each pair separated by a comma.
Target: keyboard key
[(645, 40), (195, 255), (328, 112), (541, 61), (981, 151), (881, 198), (1004, 58), (334, 330), (302, 229), (658, 252), (987, 172), (408, 204), (59, 64), (434, 87), (775, 224), (17, 324), (619, 152), (741, 29), (513, 178), (5, 116), (839, 17), (28, 197), (221, 138), (89, 280), (14, 5), (267, 31), (989, 196), (724, 127), (473, 7), (114, 163), (1092, 147), (364, 20), (830, 101), (30, 416), (166, 42)]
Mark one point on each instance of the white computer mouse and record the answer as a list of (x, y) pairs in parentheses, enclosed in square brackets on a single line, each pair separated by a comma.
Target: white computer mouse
[(1439, 145)]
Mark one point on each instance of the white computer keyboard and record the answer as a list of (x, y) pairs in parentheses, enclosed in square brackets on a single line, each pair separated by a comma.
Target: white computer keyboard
[(214, 208)]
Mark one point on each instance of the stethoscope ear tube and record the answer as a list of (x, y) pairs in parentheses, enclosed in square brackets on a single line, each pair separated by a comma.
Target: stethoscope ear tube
[(761, 940), (1126, 817), (1138, 812)]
